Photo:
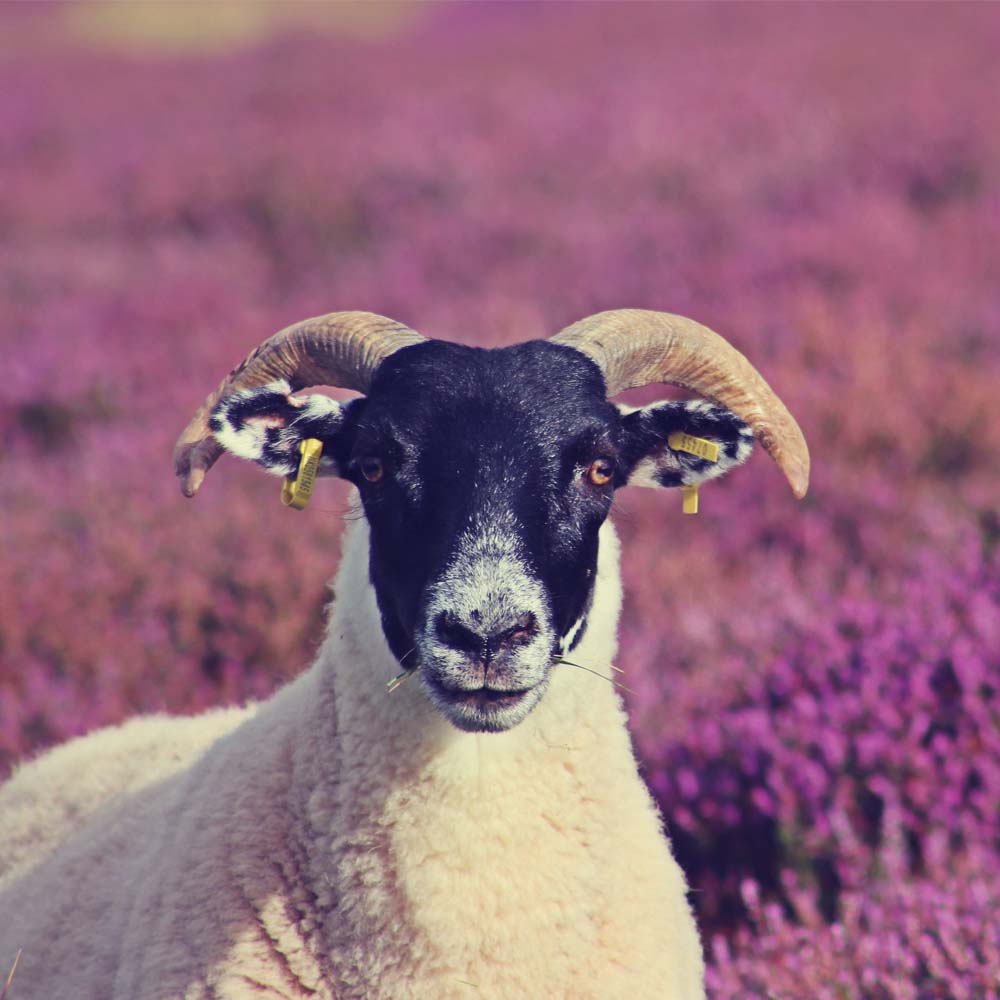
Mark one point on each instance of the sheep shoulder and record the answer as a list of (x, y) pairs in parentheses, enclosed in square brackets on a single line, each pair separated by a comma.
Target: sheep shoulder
[(51, 797), (186, 867)]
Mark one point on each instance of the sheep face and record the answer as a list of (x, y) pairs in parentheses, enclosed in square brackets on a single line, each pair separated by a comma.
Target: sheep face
[(485, 477), (483, 515)]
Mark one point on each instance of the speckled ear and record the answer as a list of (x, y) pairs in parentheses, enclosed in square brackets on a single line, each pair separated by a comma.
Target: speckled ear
[(648, 458), (266, 425)]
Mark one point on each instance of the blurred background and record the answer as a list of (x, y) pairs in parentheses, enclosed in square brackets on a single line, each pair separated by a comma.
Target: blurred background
[(815, 684)]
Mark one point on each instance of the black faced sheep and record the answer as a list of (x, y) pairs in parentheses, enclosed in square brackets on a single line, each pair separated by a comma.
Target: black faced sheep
[(478, 831)]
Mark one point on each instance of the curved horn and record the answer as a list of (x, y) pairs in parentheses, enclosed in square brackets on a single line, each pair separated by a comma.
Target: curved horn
[(634, 347), (339, 349)]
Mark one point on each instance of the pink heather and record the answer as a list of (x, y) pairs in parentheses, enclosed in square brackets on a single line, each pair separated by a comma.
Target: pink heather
[(817, 693)]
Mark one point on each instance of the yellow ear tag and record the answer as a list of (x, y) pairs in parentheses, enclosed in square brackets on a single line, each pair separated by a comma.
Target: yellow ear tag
[(700, 447), (690, 499), (296, 492)]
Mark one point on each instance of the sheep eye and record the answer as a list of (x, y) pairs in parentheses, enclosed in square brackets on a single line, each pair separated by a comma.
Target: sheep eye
[(600, 471), (372, 469)]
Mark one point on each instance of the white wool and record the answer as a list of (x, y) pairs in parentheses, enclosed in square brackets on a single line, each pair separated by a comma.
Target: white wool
[(339, 841)]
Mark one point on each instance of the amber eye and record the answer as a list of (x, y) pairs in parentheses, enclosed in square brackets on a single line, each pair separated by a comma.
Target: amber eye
[(600, 472), (372, 469)]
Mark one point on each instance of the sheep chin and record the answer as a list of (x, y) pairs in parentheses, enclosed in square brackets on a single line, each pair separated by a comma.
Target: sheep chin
[(485, 709)]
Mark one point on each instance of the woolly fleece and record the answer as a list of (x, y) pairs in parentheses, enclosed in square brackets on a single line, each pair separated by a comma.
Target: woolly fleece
[(341, 842)]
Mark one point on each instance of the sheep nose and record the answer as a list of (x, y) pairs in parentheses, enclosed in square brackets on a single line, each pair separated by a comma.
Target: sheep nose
[(484, 642)]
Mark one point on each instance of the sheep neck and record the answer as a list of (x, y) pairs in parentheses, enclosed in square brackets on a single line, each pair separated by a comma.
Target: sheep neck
[(400, 735), (403, 806)]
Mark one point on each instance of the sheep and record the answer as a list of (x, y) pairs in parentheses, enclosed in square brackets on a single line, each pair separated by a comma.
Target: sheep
[(479, 826)]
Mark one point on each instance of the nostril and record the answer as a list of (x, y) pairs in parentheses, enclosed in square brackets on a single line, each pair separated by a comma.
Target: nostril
[(523, 630), (453, 633)]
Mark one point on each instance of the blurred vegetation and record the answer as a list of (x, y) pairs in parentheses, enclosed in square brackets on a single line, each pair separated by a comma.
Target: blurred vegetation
[(815, 684)]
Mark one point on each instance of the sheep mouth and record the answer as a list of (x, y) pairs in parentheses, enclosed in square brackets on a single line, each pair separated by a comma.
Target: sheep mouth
[(483, 697), (483, 709)]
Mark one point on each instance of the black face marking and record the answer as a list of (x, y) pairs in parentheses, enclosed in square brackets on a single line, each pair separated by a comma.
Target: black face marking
[(483, 448)]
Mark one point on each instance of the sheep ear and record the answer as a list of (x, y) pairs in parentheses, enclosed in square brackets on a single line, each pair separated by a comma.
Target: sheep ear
[(266, 425), (649, 460)]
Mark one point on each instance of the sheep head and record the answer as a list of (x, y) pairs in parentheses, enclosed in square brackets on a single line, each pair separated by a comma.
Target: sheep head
[(485, 475)]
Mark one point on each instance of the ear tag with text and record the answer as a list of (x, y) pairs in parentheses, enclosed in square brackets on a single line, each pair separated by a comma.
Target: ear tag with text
[(296, 492), (699, 447)]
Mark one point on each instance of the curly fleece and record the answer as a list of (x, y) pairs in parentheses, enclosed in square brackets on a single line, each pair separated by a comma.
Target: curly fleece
[(340, 842)]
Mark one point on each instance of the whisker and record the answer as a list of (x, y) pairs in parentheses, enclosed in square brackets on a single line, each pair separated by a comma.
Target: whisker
[(397, 681), (597, 673), (10, 977), (400, 677), (353, 512), (621, 512)]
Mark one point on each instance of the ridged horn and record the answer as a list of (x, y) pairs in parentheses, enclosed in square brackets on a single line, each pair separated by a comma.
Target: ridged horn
[(339, 349), (635, 347)]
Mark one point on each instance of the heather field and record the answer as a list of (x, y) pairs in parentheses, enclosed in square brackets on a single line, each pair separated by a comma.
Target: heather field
[(815, 685)]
